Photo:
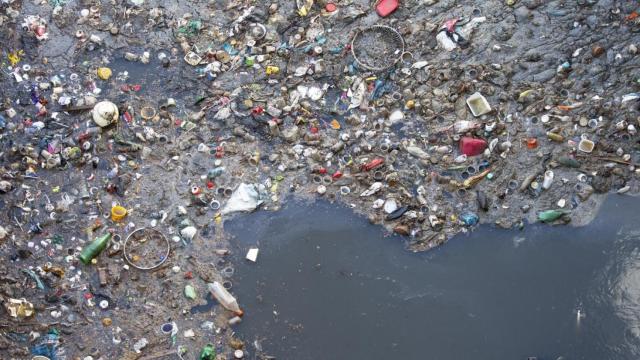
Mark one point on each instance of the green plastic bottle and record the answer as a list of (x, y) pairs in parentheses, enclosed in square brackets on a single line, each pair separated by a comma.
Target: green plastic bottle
[(208, 353), (551, 215), (569, 162), (95, 248)]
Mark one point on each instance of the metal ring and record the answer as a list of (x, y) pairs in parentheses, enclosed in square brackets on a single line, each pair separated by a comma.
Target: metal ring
[(164, 258), (383, 29), (407, 56)]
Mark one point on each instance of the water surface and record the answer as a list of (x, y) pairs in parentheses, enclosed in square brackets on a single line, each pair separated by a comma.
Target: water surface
[(328, 285)]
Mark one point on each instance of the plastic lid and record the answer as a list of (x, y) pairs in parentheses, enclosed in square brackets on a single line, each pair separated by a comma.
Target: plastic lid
[(331, 7)]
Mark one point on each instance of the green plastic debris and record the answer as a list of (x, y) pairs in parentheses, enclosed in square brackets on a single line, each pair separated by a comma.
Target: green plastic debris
[(208, 353), (191, 28), (551, 215), (57, 239), (190, 292), (35, 278), (570, 162)]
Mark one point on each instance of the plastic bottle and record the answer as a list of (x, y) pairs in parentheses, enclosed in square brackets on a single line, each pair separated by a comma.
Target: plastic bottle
[(95, 248), (215, 172), (548, 179), (224, 297), (570, 162), (551, 215)]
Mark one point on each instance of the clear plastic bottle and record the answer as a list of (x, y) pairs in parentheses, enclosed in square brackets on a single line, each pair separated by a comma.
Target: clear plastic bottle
[(224, 297)]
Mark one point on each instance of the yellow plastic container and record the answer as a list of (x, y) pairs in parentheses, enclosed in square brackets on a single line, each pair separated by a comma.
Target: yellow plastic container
[(104, 73), (272, 70), (118, 213)]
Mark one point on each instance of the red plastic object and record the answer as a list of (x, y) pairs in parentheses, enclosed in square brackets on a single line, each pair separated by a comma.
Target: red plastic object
[(386, 7), (331, 7), (471, 146), (372, 164), (336, 175)]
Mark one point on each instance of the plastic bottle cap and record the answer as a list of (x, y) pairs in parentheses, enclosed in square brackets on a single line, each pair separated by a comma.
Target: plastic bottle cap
[(118, 213), (331, 7)]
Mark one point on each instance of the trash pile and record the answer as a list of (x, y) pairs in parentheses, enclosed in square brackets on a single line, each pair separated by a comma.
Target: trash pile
[(130, 132)]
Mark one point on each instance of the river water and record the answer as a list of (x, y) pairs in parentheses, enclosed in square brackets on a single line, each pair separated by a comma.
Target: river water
[(328, 285)]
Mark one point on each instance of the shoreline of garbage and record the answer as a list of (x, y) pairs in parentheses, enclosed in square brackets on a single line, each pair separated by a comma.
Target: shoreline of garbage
[(129, 133)]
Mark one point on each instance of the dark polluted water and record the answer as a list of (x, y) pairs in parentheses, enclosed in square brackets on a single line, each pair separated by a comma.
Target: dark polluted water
[(328, 285)]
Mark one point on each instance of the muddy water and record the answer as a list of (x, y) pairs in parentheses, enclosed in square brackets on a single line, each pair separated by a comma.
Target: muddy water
[(327, 285)]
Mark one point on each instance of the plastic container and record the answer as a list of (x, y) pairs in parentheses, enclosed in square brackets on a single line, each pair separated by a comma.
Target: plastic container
[(384, 8), (586, 145), (469, 218), (478, 104), (118, 213), (472, 146), (224, 298)]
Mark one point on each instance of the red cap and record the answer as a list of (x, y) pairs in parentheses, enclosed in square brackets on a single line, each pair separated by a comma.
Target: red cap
[(331, 7)]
